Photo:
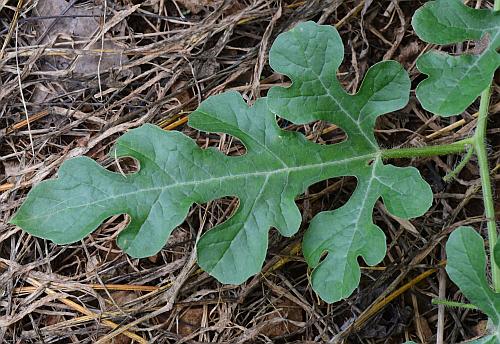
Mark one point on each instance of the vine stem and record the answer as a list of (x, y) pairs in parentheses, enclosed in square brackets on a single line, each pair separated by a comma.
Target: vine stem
[(478, 141), (484, 173)]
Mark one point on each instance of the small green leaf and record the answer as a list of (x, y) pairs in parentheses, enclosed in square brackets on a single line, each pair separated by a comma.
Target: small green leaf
[(467, 269), (454, 82), (310, 55)]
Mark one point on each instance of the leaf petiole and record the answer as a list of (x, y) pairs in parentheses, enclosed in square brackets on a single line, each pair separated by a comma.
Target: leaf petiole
[(452, 148), (448, 303)]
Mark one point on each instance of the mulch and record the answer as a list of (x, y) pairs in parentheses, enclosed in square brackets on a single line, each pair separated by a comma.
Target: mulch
[(75, 75)]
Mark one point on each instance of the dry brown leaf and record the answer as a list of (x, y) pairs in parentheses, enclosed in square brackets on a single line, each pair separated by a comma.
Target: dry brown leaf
[(287, 310), (76, 29), (91, 266), (480, 328), (196, 6), (121, 298), (425, 329), (77, 32), (190, 321)]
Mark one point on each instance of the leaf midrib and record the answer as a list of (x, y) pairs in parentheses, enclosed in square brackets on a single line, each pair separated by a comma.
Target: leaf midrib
[(361, 212), (221, 179), (238, 233), (481, 30), (248, 136), (354, 122)]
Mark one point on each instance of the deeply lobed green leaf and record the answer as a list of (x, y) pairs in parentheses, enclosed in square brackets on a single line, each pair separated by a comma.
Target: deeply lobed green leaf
[(454, 82), (278, 165)]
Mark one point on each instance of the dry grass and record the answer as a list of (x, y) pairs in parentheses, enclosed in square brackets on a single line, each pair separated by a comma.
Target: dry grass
[(73, 80)]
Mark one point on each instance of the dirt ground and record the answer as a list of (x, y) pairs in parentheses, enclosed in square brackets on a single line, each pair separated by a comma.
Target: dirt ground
[(85, 72)]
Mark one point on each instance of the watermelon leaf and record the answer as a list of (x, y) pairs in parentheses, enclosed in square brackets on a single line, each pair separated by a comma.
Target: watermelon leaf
[(278, 166)]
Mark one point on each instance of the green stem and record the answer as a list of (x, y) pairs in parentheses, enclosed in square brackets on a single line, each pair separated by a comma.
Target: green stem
[(452, 148), (478, 141), (448, 303), (453, 174), (484, 173)]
